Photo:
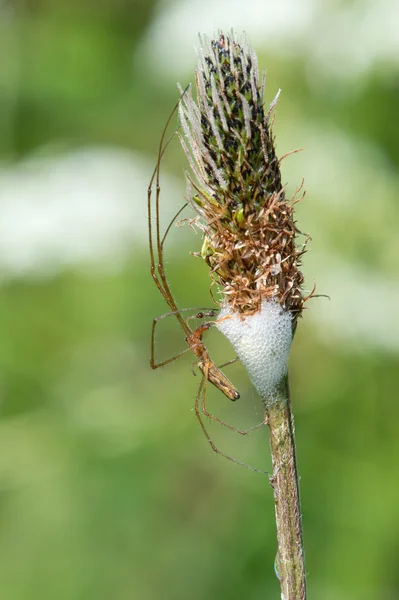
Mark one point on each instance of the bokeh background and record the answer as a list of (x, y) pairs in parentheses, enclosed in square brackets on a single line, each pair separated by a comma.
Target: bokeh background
[(108, 488)]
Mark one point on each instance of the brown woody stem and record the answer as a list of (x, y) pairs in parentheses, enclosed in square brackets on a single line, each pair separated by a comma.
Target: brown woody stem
[(284, 481)]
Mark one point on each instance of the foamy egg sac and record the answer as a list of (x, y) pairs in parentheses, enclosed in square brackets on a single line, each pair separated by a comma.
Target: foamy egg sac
[(262, 342)]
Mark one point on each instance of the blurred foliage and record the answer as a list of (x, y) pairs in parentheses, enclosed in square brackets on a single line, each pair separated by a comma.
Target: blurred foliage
[(107, 487)]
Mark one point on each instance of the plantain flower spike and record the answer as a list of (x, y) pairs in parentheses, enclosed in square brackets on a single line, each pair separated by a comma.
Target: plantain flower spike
[(247, 221)]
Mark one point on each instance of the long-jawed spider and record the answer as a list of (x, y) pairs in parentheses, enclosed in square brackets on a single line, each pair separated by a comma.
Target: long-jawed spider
[(193, 337)]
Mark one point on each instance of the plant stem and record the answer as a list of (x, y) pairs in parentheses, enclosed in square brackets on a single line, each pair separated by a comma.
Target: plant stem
[(284, 481)]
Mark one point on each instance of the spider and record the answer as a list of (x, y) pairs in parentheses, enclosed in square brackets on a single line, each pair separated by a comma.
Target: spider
[(193, 337)]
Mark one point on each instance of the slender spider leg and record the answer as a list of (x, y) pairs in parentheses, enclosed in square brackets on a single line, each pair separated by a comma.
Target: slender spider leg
[(171, 223), (193, 365), (212, 445), (231, 427), (155, 365), (156, 245), (229, 362)]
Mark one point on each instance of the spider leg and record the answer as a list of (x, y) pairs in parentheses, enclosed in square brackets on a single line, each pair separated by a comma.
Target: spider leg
[(229, 362), (231, 427), (155, 365), (201, 392), (156, 241), (205, 411)]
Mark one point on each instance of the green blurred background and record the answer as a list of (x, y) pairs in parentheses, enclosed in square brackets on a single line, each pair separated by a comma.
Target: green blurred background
[(108, 488)]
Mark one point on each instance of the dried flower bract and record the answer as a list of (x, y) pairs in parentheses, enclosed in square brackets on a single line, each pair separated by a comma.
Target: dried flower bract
[(248, 224)]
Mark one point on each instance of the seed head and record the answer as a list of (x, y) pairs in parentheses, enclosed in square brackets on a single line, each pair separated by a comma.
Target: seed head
[(235, 186)]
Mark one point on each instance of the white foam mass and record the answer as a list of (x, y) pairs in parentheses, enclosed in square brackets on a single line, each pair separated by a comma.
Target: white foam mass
[(262, 342)]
